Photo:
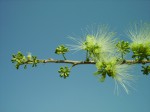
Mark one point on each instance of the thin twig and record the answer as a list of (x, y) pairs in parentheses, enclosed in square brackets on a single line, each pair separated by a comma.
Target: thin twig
[(73, 62)]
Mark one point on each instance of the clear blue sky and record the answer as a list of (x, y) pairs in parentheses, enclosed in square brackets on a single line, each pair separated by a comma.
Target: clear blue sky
[(38, 27)]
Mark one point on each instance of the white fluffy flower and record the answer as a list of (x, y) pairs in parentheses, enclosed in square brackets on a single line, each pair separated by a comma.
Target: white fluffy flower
[(123, 78), (97, 42), (119, 72), (139, 33), (140, 37), (78, 44)]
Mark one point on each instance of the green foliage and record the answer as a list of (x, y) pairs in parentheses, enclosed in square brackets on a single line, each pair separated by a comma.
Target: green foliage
[(105, 68), (101, 75), (123, 48), (146, 70), (20, 59), (34, 60), (61, 50), (100, 49), (64, 72), (140, 51)]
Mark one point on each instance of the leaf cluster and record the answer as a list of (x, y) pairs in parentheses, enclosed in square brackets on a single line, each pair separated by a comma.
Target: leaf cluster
[(123, 47), (140, 51), (146, 70), (20, 59), (105, 68)]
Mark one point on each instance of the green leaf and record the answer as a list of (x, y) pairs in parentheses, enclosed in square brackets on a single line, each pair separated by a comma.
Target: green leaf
[(25, 66), (102, 78), (97, 73), (17, 66), (146, 70)]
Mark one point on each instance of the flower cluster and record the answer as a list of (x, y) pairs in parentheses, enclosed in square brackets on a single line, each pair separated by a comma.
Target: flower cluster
[(96, 44), (140, 37), (100, 47), (112, 68)]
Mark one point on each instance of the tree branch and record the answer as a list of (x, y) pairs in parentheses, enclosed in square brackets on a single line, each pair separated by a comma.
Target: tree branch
[(73, 62)]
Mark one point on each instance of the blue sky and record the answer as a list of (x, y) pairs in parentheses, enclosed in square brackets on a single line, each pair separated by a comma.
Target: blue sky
[(39, 27)]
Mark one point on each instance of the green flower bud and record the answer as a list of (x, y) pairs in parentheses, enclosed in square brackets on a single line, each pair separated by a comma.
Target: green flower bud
[(64, 72), (61, 49)]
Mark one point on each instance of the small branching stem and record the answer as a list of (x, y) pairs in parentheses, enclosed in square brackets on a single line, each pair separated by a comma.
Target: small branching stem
[(122, 56), (64, 57), (87, 55)]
